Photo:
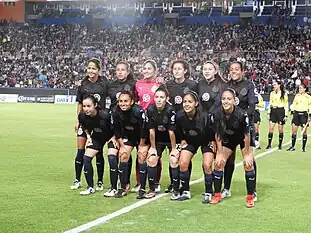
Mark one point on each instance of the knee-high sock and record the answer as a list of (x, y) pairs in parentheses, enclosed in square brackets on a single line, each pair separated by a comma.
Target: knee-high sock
[(123, 173), (113, 164), (88, 170), (79, 163), (100, 165), (143, 175)]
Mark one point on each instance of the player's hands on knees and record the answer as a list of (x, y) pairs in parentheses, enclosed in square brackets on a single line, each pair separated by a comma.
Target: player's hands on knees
[(143, 150), (183, 144), (220, 160), (89, 142), (114, 142), (152, 151), (123, 151), (248, 161), (175, 153)]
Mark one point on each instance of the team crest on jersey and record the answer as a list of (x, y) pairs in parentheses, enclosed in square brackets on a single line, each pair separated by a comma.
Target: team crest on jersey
[(146, 98), (97, 97), (127, 87), (243, 91), (161, 128), (154, 88), (206, 97), (237, 101), (193, 132), (159, 80), (178, 99), (215, 89), (118, 95), (80, 131), (186, 90)]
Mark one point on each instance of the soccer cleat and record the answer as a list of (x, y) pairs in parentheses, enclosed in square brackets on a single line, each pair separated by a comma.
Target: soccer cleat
[(207, 197), (268, 147), (304, 150), (87, 191), (136, 188), (291, 149), (99, 186), (157, 188), (250, 201), (76, 184), (186, 195), (141, 194), (216, 198), (150, 194), (121, 193), (110, 193), (255, 197), (225, 193), (169, 188), (175, 195)]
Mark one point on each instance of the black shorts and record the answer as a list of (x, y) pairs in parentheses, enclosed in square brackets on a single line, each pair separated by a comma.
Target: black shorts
[(257, 117), (207, 149), (126, 143), (80, 132), (96, 145), (194, 148), (277, 116), (300, 118), (161, 147)]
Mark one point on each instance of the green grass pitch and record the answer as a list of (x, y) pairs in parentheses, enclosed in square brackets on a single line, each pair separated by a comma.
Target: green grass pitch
[(37, 168)]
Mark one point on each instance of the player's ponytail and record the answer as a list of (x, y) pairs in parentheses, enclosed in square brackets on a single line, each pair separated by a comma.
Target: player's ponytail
[(282, 89)]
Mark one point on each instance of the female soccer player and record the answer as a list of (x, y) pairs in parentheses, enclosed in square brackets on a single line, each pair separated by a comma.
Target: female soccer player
[(246, 99), (278, 112), (124, 81), (144, 95), (257, 119), (161, 124), (130, 131), (232, 128), (301, 109), (177, 88), (98, 86), (192, 127), (96, 124)]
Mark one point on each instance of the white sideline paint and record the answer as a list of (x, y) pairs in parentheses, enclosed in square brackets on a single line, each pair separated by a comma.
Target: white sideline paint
[(129, 208)]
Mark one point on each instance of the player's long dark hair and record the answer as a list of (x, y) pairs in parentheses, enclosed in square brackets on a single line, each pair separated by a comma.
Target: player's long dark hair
[(282, 89), (221, 126), (185, 65)]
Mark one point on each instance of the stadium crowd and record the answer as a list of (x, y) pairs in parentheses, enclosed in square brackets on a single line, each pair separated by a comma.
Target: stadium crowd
[(54, 56)]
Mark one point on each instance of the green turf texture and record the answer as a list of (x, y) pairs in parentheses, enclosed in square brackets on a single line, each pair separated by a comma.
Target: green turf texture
[(37, 168)]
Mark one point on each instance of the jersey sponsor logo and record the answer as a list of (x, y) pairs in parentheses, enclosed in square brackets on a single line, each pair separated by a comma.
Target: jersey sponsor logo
[(193, 133), (178, 99), (97, 130), (161, 128), (129, 127), (237, 101), (80, 131), (146, 98), (206, 96), (118, 95), (97, 97), (65, 99)]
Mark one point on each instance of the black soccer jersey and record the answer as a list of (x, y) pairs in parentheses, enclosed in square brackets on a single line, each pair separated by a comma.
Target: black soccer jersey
[(129, 125), (177, 91), (99, 90), (115, 88), (98, 126), (162, 122)]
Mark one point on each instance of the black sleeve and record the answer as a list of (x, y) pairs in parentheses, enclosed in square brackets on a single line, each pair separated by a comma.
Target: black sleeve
[(116, 124), (82, 119), (172, 119), (151, 124), (179, 130), (79, 97), (250, 110), (252, 98)]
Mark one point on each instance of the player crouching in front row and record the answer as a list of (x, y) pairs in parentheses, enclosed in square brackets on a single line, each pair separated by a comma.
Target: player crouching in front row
[(232, 128)]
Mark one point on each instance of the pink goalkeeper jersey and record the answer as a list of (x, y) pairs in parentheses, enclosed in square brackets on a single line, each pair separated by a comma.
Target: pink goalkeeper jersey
[(145, 90)]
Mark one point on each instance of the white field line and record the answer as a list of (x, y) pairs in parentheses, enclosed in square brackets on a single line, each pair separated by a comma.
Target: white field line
[(138, 204)]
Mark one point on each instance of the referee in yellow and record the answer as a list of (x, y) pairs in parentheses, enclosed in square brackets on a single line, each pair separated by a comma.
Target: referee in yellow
[(301, 109), (278, 111)]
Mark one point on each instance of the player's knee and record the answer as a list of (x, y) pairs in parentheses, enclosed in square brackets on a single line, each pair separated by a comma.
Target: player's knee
[(141, 159), (207, 167), (152, 160), (183, 165), (173, 162)]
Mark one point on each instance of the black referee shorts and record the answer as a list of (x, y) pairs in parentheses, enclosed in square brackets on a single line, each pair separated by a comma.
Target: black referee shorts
[(300, 118), (277, 116)]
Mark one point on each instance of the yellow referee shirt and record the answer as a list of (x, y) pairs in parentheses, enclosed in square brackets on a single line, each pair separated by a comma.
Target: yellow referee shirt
[(260, 102), (277, 102), (301, 103)]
